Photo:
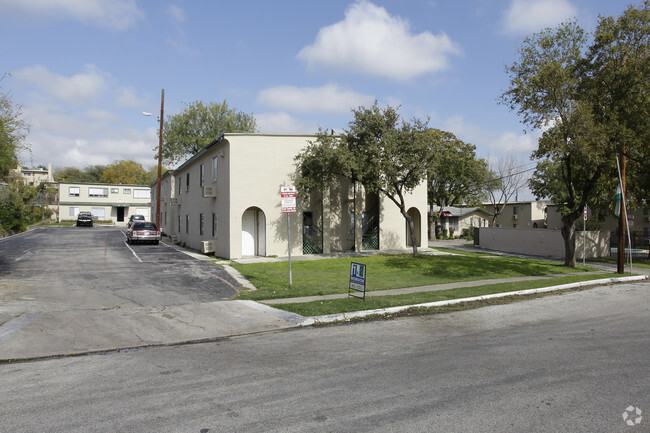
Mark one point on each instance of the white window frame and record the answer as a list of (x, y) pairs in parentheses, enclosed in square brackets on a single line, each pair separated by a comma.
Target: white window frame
[(97, 192), (215, 163), (141, 193), (74, 191)]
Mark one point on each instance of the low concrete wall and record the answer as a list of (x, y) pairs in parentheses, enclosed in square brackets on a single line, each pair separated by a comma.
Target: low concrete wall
[(541, 242)]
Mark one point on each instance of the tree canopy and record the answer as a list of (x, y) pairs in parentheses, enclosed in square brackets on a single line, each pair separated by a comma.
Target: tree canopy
[(126, 172), (13, 130), (384, 153), (197, 125), (590, 104), (455, 175)]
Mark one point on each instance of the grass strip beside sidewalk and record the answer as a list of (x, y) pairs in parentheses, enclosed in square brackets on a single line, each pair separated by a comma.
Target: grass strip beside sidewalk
[(384, 272), (347, 305)]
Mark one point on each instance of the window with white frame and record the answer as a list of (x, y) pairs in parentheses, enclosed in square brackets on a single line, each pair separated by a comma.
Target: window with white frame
[(180, 188), (141, 193), (73, 212), (97, 192), (215, 161), (99, 213), (74, 191), (115, 190), (201, 174), (187, 182), (126, 190)]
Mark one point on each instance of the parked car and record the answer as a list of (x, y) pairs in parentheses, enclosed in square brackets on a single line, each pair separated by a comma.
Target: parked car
[(134, 218), (85, 218), (143, 232)]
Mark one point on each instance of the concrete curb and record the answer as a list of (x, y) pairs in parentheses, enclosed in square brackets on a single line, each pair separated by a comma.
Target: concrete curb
[(344, 317)]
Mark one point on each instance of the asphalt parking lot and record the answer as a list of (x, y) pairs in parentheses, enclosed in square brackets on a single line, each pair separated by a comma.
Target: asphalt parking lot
[(96, 268)]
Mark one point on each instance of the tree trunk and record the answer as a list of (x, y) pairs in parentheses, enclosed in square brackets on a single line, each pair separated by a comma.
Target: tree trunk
[(409, 221), (569, 236)]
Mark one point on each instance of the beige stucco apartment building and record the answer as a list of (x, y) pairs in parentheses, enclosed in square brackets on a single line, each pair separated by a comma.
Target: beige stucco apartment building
[(523, 214), (226, 200), (107, 202)]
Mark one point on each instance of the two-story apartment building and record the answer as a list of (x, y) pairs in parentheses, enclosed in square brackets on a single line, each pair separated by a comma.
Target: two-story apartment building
[(105, 201), (226, 199), (522, 214)]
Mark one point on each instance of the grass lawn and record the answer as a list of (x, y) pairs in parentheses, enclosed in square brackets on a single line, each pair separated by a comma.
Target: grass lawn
[(333, 306), (640, 263), (330, 276)]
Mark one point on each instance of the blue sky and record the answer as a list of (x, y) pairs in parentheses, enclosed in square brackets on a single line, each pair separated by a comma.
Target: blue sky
[(86, 70)]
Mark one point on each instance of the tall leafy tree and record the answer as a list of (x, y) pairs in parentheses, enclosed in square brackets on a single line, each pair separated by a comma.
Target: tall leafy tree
[(455, 174), (385, 154), (13, 131), (72, 174), (545, 91), (126, 172), (617, 84), (197, 125)]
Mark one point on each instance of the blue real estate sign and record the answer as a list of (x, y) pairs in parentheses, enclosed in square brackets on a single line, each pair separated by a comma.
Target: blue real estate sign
[(358, 277)]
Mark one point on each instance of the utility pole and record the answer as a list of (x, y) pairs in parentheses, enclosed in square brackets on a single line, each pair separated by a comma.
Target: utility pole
[(160, 144), (622, 219)]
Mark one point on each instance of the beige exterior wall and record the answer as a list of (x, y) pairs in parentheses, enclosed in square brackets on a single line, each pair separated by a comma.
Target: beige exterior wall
[(542, 242), (105, 201), (640, 222), (528, 215), (251, 169), (35, 176)]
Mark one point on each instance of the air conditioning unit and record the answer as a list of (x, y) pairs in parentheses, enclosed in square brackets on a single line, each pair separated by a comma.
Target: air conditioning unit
[(175, 201), (208, 246), (175, 238), (209, 191), (515, 216)]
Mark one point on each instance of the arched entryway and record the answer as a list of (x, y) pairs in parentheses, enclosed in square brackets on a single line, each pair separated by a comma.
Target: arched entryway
[(253, 232), (414, 213)]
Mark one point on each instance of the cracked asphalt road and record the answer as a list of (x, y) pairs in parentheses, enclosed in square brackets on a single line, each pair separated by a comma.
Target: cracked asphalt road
[(82, 268)]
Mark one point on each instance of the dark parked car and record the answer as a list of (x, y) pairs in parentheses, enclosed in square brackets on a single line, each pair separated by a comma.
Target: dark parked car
[(85, 218), (143, 232), (134, 218)]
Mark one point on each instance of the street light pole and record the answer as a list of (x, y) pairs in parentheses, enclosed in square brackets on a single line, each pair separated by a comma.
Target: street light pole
[(160, 143)]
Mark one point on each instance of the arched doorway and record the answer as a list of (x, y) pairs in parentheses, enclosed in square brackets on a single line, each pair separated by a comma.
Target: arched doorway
[(414, 213), (253, 232)]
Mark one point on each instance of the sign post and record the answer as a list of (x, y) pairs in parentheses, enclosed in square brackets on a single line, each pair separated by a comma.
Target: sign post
[(584, 236), (357, 280), (288, 206)]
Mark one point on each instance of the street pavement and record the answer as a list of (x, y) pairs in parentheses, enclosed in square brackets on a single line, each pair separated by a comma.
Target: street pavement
[(31, 332)]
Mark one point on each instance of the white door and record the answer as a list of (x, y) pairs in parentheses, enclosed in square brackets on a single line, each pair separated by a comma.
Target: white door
[(253, 233), (248, 233)]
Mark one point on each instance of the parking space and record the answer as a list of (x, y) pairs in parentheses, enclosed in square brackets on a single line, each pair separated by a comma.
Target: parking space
[(84, 267)]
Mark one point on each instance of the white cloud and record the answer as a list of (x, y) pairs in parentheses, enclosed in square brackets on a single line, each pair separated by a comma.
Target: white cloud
[(371, 41), (176, 13), (116, 15), (330, 99), (283, 123), (488, 143), (127, 98), (527, 16), (81, 88)]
